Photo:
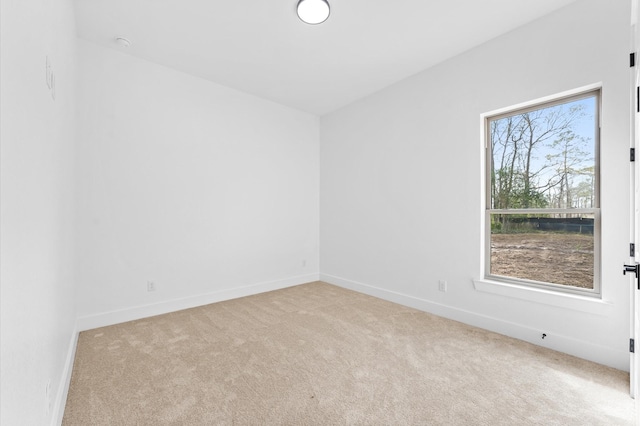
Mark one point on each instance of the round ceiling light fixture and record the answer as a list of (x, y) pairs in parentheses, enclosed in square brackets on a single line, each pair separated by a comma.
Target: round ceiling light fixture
[(313, 11), (123, 42)]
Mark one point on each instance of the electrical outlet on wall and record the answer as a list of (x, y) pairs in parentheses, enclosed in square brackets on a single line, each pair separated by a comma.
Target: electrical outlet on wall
[(442, 285), (151, 286)]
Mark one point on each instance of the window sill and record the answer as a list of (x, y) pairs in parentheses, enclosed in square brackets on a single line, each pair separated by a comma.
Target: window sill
[(546, 297)]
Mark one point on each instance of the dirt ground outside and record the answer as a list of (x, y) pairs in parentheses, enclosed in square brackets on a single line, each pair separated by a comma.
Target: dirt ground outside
[(561, 258)]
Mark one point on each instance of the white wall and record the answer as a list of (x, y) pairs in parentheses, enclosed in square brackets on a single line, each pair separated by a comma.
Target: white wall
[(206, 191), (401, 181), (37, 301)]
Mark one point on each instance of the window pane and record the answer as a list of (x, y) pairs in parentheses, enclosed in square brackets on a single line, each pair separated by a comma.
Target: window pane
[(545, 158), (550, 248)]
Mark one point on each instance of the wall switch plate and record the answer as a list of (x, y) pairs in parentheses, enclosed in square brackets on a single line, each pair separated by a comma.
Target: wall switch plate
[(442, 285)]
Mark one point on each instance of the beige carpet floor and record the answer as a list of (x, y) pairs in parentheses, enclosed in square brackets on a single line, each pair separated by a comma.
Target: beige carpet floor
[(317, 354)]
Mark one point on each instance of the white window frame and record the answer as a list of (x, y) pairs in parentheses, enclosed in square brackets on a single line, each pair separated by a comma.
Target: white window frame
[(596, 292)]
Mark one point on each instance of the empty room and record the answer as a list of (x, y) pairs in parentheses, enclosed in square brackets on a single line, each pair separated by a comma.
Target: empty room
[(312, 212)]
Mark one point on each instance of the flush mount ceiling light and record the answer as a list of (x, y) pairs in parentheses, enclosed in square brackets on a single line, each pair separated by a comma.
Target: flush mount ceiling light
[(123, 42), (313, 11)]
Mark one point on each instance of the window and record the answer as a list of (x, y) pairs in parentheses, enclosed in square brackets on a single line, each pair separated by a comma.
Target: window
[(542, 205)]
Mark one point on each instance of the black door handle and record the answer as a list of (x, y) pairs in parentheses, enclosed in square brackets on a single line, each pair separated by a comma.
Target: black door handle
[(635, 269)]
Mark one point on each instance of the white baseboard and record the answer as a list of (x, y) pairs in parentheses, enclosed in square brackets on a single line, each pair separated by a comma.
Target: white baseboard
[(137, 312), (569, 345), (65, 381)]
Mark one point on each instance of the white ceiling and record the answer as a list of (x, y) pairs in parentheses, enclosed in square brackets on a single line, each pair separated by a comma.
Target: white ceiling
[(261, 47)]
